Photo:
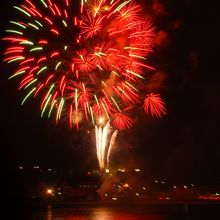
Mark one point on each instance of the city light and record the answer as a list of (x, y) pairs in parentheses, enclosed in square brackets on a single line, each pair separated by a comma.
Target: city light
[(50, 191)]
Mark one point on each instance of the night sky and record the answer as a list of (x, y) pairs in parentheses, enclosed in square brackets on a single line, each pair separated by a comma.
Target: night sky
[(183, 146)]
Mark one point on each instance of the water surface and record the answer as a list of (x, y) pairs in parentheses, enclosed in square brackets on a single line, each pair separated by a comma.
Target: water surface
[(124, 212)]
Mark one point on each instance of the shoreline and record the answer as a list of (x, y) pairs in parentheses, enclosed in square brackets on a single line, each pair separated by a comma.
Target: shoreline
[(100, 203)]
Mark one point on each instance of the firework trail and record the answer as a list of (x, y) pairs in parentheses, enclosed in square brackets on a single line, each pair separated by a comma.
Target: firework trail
[(103, 145), (84, 65), (112, 142)]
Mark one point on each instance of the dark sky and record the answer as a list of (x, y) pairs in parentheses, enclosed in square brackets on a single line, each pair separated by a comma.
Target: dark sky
[(183, 146)]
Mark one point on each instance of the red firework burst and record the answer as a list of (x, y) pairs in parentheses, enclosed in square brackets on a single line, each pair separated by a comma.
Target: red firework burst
[(87, 65), (154, 105)]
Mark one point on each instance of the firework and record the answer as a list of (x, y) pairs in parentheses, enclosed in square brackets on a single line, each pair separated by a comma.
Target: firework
[(154, 105), (103, 145), (112, 142), (86, 63)]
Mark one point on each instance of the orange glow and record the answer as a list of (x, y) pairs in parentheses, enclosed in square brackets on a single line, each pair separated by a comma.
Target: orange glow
[(126, 185), (49, 191), (106, 8)]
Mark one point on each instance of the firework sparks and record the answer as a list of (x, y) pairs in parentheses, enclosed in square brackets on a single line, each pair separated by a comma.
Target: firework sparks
[(103, 145), (112, 142), (86, 66), (154, 104), (95, 61)]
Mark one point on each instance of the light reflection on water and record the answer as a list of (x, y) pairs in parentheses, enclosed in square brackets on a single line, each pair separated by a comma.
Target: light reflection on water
[(101, 213), (105, 214), (144, 212)]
